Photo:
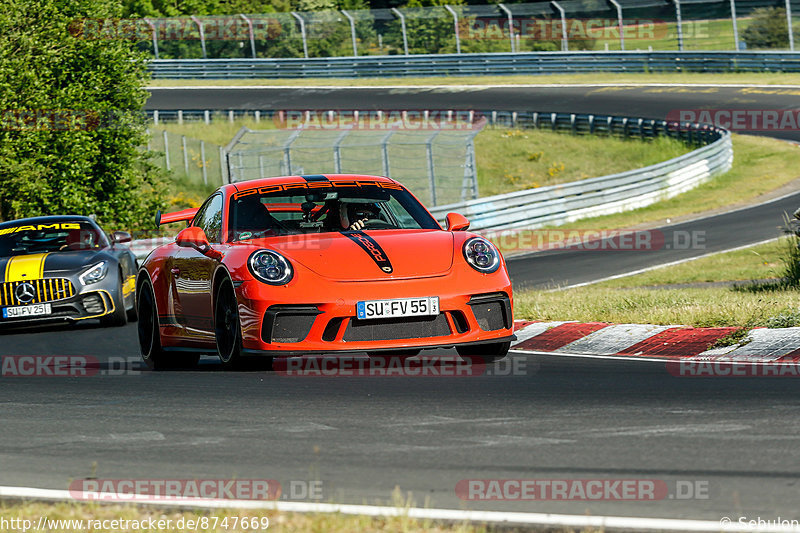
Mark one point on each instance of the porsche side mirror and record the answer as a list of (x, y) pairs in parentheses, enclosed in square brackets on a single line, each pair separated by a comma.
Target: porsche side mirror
[(194, 237), (456, 222), (120, 237)]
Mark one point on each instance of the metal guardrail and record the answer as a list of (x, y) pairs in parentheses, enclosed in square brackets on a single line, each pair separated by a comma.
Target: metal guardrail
[(560, 204), (476, 64)]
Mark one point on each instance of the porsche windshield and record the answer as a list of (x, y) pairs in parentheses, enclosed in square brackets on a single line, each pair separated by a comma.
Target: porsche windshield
[(32, 238), (332, 209)]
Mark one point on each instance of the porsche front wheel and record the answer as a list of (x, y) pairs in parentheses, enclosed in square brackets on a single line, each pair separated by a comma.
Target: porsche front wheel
[(227, 328)]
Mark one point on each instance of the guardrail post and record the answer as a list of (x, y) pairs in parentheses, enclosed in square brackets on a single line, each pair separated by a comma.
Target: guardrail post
[(536, 120), (203, 161), (553, 121), (455, 27), (735, 26), (431, 166), (510, 25), (155, 36), (302, 33), (252, 35), (207, 116), (155, 117), (572, 125), (230, 115), (789, 23), (680, 23), (621, 26), (402, 27), (166, 149), (385, 153), (564, 40), (202, 34), (352, 31), (180, 116), (591, 124)]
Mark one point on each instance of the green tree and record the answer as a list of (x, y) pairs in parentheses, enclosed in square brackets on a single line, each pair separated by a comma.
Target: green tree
[(767, 29), (71, 136)]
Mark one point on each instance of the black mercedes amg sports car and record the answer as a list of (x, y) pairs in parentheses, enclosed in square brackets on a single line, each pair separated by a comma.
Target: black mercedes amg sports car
[(65, 268)]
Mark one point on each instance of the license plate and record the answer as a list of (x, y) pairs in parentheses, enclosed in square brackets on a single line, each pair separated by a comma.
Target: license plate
[(27, 310), (398, 308)]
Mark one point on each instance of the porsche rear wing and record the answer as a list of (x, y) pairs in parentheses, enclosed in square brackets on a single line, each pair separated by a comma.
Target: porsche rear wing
[(177, 216)]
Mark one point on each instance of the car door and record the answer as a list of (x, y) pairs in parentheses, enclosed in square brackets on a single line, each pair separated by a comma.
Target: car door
[(192, 274)]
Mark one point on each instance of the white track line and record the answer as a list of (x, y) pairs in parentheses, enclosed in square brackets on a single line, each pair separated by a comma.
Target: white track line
[(497, 517), (475, 86), (663, 265)]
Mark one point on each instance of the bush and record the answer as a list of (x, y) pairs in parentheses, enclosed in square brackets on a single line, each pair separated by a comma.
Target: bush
[(767, 29), (73, 128)]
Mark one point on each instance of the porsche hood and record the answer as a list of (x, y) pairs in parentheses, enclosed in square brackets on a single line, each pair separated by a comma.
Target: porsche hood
[(360, 255)]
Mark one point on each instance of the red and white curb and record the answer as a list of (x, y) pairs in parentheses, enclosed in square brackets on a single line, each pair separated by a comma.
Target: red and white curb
[(648, 341), (449, 515)]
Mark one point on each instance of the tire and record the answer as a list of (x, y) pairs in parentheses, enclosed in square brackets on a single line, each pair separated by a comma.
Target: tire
[(227, 328), (133, 313), (485, 353), (153, 354), (119, 317)]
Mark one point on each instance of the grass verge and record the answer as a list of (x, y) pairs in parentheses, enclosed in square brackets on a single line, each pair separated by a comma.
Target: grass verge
[(594, 78), (634, 300)]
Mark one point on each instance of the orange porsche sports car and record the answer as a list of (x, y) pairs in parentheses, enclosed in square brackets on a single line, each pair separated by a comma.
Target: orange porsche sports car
[(300, 265)]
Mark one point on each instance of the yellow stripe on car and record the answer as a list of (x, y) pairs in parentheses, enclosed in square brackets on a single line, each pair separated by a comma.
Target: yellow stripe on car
[(25, 267)]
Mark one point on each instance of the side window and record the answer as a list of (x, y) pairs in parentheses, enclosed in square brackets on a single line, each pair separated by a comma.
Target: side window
[(210, 219)]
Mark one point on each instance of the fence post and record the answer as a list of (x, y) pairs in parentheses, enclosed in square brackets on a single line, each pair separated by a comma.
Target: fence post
[(789, 23), (185, 155), (431, 166), (155, 36), (166, 149), (510, 25), (261, 166), (385, 153), (735, 26), (287, 150), (680, 23), (252, 35), (203, 161), (402, 27), (621, 26), (455, 26), (352, 31), (202, 34), (337, 153), (469, 186), (222, 168), (302, 33), (564, 40)]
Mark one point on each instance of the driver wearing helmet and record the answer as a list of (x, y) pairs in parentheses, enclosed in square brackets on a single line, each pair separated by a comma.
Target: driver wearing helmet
[(354, 216)]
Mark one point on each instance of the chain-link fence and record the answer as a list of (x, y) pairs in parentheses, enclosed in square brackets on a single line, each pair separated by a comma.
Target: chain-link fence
[(549, 25), (437, 166), (188, 159)]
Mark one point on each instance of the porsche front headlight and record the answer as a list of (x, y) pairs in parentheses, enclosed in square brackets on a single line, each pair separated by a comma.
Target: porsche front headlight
[(481, 255), (270, 267)]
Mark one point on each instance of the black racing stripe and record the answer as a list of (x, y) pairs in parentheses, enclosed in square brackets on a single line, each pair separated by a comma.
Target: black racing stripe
[(3, 263), (315, 177), (373, 249)]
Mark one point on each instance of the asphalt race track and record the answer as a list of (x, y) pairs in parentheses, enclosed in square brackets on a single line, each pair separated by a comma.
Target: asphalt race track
[(733, 441)]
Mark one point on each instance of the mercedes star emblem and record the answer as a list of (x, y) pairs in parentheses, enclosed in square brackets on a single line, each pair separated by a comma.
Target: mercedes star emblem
[(25, 292)]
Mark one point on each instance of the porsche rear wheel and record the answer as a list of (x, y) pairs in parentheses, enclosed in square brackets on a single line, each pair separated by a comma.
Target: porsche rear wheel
[(153, 354), (227, 329), (485, 353)]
